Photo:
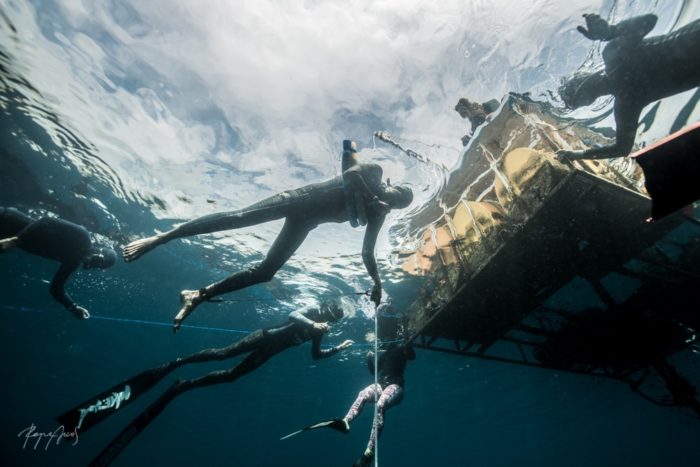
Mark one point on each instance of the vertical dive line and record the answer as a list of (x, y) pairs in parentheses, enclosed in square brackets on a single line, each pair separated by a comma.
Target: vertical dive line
[(376, 386)]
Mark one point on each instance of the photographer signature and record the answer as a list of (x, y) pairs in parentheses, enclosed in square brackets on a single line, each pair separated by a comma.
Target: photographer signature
[(30, 434)]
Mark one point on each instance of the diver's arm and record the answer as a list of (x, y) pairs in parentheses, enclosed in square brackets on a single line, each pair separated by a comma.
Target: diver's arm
[(353, 177), (639, 26), (301, 316), (317, 352), (626, 117), (599, 29), (58, 290), (370, 241)]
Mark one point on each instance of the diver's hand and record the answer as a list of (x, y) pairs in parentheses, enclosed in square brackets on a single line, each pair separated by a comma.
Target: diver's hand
[(380, 205), (323, 327), (345, 344), (376, 295), (569, 155), (79, 312), (598, 28)]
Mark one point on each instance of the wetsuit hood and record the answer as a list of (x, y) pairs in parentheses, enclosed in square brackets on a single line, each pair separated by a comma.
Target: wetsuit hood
[(100, 257), (332, 311), (398, 196), (583, 88)]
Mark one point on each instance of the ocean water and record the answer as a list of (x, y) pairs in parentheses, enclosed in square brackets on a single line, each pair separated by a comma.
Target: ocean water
[(131, 117)]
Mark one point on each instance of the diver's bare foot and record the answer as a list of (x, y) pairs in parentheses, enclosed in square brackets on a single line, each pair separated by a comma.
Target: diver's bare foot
[(189, 299), (138, 248), (7, 243)]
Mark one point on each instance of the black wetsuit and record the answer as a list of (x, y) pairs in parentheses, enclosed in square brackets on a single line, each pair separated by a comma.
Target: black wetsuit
[(392, 364), (640, 71), (303, 210), (12, 222), (262, 345), (52, 238)]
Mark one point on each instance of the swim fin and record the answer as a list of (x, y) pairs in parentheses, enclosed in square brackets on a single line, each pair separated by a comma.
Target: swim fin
[(672, 171), (118, 444), (337, 424), (91, 412)]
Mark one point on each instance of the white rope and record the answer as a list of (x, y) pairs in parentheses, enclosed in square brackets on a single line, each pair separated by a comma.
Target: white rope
[(376, 383)]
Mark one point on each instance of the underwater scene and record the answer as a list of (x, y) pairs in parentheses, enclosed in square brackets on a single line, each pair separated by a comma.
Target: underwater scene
[(318, 233)]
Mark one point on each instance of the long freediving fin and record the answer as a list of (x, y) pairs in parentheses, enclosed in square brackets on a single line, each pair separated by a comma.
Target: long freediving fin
[(335, 423), (118, 444), (92, 411), (672, 171)]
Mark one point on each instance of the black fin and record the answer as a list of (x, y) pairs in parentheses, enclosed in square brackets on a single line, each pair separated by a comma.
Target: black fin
[(118, 444), (92, 411)]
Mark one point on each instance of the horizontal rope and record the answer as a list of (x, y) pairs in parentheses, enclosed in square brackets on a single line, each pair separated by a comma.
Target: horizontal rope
[(162, 324)]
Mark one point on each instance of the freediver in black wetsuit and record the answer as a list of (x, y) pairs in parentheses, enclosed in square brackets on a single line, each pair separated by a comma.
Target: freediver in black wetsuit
[(56, 239), (303, 210), (308, 323), (637, 72)]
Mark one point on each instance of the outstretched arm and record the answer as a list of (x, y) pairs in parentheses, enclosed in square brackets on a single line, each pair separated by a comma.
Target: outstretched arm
[(369, 243), (599, 29), (626, 117), (317, 352), (301, 316), (58, 290)]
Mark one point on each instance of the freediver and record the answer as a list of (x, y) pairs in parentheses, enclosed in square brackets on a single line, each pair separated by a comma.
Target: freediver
[(56, 239), (477, 114), (303, 210), (310, 322), (395, 351), (637, 72)]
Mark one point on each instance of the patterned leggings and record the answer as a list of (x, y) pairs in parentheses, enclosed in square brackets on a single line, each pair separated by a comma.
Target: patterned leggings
[(392, 395)]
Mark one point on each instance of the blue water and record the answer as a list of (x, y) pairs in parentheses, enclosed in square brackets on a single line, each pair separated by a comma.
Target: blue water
[(129, 120)]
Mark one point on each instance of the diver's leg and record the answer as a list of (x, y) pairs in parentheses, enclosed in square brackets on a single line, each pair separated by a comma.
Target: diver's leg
[(12, 222), (249, 343), (97, 408), (287, 242), (366, 395), (391, 396), (250, 363), (274, 207)]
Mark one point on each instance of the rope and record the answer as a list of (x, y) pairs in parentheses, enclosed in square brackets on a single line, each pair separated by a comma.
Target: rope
[(376, 387), (235, 300), (386, 137), (160, 323)]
